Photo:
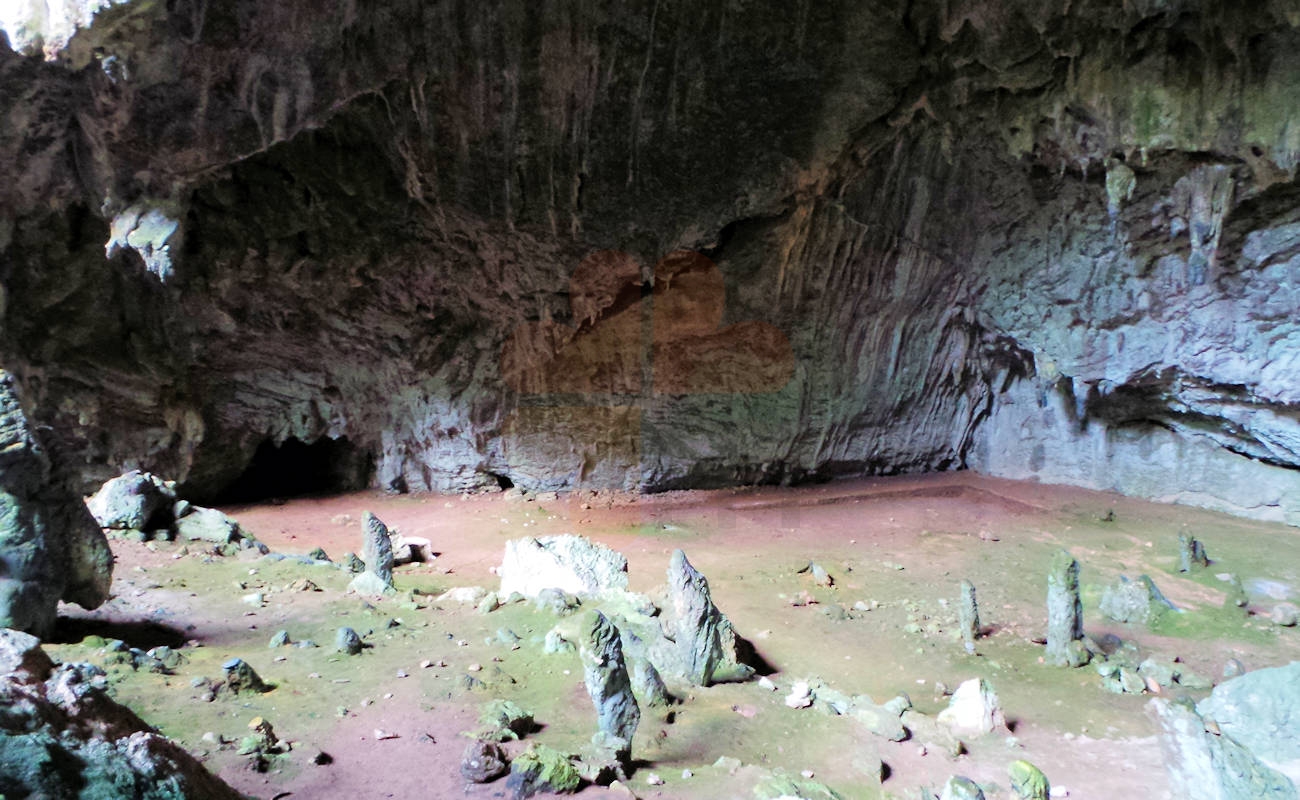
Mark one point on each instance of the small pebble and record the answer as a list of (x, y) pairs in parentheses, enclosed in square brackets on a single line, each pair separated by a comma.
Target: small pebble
[(654, 780)]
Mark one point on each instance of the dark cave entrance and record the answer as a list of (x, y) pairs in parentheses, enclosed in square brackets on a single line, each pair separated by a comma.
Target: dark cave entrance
[(295, 469)]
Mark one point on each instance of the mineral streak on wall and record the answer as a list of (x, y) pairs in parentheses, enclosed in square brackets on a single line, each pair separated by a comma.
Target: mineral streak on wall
[(657, 244)]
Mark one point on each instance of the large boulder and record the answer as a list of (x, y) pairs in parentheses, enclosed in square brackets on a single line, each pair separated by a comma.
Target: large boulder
[(1207, 764), (569, 563), (62, 736), (1261, 711), (136, 500), (51, 548)]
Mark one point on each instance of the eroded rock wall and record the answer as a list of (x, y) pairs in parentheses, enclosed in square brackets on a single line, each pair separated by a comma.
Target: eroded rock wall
[(1041, 241)]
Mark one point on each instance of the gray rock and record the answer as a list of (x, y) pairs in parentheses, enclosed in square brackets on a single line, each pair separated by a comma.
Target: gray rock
[(608, 683), (347, 641), (1259, 711), (557, 601), (1233, 667), (568, 563), (483, 762), (51, 548), (376, 546), (647, 684), (352, 564), (961, 788), (556, 643), (1064, 612), (1285, 615), (241, 677), (542, 769), (968, 614), (208, 525), (135, 500), (1134, 601), (280, 639), (705, 639), (1191, 553), (1210, 765), (1028, 781), (505, 721), (63, 736)]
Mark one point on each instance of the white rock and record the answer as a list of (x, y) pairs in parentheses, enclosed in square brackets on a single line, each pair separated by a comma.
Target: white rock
[(570, 563), (973, 709)]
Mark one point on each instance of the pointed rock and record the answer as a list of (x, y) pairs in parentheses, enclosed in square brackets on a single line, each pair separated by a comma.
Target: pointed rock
[(606, 675), (377, 554), (974, 709), (1064, 612), (968, 614), (705, 639)]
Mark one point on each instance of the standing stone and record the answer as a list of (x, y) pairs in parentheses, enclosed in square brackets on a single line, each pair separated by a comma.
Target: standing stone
[(609, 684), (1064, 613), (705, 639), (1191, 553), (51, 548), (1028, 781), (968, 615), (241, 677), (377, 553)]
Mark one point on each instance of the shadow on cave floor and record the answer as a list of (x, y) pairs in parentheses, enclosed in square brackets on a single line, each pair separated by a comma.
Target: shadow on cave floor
[(142, 634)]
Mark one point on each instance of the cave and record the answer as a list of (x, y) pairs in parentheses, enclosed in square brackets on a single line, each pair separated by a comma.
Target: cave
[(293, 469), (864, 310)]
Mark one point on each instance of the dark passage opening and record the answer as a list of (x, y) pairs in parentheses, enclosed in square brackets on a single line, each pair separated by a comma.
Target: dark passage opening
[(295, 469)]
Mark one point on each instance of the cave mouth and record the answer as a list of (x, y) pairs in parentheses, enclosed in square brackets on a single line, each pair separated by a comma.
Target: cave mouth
[(297, 469)]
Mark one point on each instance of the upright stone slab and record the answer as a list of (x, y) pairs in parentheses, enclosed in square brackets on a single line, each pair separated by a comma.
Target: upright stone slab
[(1064, 613), (51, 549), (1191, 553), (968, 615), (1213, 765), (608, 683), (705, 639), (377, 553)]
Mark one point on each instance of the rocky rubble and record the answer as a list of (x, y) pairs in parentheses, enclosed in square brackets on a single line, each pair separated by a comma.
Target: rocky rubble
[(62, 736)]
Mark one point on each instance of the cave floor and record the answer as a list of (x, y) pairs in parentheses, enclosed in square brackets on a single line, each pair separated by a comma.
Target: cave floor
[(899, 545)]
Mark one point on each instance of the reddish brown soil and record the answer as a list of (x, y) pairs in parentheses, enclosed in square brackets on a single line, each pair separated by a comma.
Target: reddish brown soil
[(904, 543)]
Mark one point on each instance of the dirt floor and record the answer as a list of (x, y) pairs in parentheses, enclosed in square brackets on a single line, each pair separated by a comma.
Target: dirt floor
[(392, 719)]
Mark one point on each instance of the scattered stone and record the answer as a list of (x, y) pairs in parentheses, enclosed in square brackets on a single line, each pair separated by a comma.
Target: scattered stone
[(208, 525), (557, 601), (52, 547), (1285, 615), (321, 758), (800, 695), (377, 553), (1064, 612), (1205, 763), (489, 603), (1233, 667), (241, 677), (352, 564), (1191, 553), (608, 683), (483, 762), (705, 638), (1029, 782), (968, 614), (653, 779), (556, 643), (411, 550), (504, 721), (973, 709), (463, 595), (1120, 679), (302, 585), (961, 788), (779, 786), (261, 740), (542, 769), (647, 684), (347, 641), (318, 554), (569, 563), (819, 574), (1134, 601)]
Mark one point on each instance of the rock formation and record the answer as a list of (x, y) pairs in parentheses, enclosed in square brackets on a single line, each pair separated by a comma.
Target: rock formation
[(566, 563), (414, 243), (968, 615), (1064, 613), (609, 684), (62, 736), (50, 547), (704, 637), (377, 553)]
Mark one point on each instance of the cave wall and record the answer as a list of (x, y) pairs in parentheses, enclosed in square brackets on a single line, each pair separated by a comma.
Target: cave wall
[(1040, 242)]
